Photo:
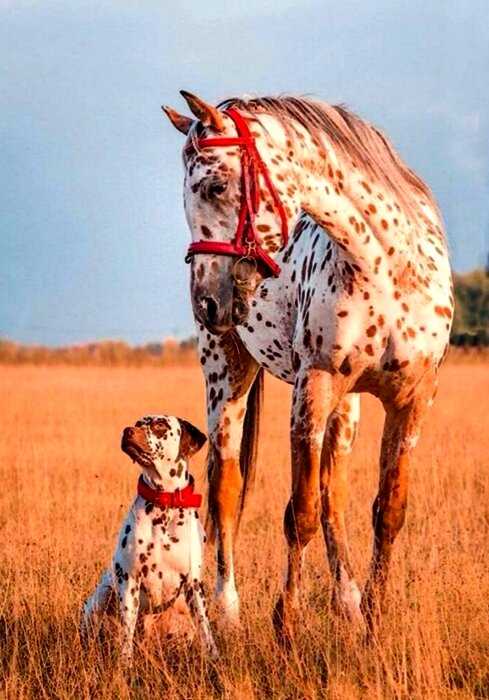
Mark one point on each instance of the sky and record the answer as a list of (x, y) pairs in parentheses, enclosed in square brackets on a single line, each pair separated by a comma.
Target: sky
[(92, 230)]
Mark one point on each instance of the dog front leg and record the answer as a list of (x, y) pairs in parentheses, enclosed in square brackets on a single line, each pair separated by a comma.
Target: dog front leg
[(129, 606)]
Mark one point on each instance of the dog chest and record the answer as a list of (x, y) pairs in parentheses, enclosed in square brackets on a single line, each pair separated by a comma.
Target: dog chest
[(160, 548)]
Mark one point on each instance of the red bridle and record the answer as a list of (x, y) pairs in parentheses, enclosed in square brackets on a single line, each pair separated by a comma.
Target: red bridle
[(246, 243)]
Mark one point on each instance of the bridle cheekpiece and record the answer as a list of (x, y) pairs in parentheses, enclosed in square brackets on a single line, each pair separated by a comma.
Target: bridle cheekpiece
[(246, 243)]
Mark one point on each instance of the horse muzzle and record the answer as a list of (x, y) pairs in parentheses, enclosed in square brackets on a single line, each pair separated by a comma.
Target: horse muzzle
[(217, 317)]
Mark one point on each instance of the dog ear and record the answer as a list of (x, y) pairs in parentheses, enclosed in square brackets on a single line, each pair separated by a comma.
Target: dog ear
[(191, 439)]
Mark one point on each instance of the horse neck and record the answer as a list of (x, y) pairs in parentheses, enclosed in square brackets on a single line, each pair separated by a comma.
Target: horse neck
[(366, 220)]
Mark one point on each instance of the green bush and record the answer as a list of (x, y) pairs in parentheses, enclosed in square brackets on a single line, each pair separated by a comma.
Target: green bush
[(471, 304)]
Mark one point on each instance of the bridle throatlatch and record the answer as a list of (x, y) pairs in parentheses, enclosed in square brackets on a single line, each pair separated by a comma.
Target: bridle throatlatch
[(246, 243)]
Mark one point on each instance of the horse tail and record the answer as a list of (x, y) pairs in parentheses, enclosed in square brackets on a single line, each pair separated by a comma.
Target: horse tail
[(249, 440), (247, 457)]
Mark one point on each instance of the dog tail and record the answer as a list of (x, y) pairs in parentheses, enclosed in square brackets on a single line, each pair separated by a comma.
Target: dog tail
[(247, 458)]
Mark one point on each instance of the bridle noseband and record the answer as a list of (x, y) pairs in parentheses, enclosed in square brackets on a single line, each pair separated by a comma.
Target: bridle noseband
[(246, 243)]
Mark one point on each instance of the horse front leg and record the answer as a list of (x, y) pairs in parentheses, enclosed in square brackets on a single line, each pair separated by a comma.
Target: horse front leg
[(314, 397), (234, 386)]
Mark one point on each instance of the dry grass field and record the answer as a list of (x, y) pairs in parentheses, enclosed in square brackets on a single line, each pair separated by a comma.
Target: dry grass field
[(66, 486)]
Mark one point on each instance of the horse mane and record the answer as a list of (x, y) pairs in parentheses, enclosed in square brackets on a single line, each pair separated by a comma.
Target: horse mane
[(355, 138)]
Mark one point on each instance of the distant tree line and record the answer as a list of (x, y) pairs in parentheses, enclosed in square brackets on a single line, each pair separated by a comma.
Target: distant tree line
[(107, 352), (471, 322), (470, 329)]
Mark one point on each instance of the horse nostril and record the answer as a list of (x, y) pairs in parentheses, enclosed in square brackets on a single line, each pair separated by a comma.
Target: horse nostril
[(210, 307)]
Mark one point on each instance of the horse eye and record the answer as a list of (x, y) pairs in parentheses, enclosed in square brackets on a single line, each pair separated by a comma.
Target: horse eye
[(219, 188), (216, 188)]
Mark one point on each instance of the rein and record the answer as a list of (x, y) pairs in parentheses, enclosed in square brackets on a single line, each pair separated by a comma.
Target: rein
[(246, 243)]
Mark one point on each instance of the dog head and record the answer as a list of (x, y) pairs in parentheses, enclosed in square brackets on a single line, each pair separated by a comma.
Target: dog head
[(162, 446)]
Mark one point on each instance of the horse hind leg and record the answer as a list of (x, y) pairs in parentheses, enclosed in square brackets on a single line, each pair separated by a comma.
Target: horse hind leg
[(401, 432), (101, 601), (338, 443)]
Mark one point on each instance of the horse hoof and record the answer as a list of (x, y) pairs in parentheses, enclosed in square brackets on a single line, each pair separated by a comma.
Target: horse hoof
[(228, 615), (284, 622), (347, 605)]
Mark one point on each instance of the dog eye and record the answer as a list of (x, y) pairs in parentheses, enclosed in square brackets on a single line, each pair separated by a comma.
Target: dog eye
[(160, 426)]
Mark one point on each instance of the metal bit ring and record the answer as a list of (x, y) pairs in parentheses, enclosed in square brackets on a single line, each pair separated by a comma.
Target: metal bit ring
[(245, 261)]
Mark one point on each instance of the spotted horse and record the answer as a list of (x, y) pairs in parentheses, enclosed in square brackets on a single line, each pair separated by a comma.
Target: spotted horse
[(357, 299)]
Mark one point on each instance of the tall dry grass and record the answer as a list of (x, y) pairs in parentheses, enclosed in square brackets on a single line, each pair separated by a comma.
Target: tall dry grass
[(66, 485)]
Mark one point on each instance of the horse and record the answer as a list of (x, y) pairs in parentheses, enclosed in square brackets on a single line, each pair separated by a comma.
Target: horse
[(358, 298)]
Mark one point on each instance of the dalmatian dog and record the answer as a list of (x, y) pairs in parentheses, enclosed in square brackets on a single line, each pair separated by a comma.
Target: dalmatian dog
[(158, 561)]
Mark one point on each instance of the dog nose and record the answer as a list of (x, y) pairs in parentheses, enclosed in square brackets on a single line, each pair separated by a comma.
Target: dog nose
[(128, 432)]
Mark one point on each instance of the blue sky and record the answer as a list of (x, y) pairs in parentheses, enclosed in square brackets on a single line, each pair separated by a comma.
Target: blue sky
[(92, 232)]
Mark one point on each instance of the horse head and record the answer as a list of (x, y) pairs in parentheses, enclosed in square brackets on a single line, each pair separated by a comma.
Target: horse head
[(237, 213)]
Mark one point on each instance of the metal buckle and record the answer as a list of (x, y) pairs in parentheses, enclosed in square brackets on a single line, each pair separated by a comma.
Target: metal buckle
[(242, 280), (250, 249), (188, 258)]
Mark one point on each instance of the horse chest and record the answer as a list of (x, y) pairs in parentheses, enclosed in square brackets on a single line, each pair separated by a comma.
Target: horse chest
[(296, 312), (269, 330)]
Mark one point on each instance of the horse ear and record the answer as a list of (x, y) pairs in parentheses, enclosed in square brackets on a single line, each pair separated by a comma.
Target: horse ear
[(191, 439), (179, 121), (206, 113)]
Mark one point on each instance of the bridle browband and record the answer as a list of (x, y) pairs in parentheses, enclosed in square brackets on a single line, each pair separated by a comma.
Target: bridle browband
[(246, 243)]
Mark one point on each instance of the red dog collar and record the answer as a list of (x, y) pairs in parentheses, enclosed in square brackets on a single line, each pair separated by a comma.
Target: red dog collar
[(246, 243), (186, 498)]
